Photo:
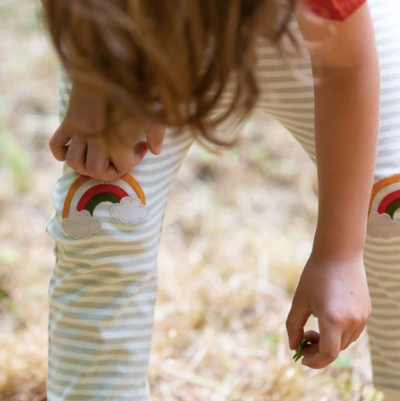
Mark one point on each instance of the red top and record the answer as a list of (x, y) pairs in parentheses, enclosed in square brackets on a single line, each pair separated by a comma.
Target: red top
[(335, 9)]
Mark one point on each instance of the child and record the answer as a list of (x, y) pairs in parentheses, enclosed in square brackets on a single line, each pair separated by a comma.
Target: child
[(168, 63)]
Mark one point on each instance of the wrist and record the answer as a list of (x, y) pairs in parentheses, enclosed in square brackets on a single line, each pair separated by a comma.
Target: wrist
[(328, 244)]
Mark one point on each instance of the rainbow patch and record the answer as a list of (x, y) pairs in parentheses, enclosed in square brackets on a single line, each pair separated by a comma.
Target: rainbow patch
[(385, 202), (128, 204)]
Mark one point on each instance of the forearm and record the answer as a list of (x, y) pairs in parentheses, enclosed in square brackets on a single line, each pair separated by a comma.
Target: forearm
[(347, 92), (346, 124)]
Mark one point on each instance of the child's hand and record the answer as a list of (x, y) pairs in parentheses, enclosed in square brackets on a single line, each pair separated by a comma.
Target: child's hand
[(335, 291), (82, 143)]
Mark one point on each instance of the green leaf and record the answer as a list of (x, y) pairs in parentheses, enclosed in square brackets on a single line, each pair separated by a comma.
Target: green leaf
[(300, 347)]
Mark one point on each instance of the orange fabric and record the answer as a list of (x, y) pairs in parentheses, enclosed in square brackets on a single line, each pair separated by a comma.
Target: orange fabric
[(393, 179), (338, 10), (136, 187), (74, 187)]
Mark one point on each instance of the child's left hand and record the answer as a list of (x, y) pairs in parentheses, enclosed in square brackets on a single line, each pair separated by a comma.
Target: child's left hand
[(335, 291), (88, 148)]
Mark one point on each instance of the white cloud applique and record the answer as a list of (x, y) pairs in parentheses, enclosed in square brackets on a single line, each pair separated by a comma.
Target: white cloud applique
[(129, 211), (382, 226), (80, 225)]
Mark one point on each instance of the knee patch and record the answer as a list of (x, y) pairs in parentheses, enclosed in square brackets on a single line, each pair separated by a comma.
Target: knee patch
[(385, 202), (125, 198)]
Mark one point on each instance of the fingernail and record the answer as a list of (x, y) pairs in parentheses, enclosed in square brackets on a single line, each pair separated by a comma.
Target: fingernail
[(158, 149)]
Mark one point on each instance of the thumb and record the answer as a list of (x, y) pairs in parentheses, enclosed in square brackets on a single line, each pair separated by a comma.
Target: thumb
[(295, 323)]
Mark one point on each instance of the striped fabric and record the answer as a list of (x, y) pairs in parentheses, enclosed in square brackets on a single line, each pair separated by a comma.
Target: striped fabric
[(103, 289)]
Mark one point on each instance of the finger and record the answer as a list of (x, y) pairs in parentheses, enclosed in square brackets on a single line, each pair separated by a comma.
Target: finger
[(354, 337), (76, 155), (329, 347), (309, 350), (295, 323), (357, 335), (155, 137), (358, 324), (346, 339), (97, 161), (59, 141), (122, 162), (313, 335), (312, 348), (140, 150)]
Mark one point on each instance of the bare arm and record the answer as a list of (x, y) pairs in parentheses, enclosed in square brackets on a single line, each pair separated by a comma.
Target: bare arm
[(333, 285), (346, 66)]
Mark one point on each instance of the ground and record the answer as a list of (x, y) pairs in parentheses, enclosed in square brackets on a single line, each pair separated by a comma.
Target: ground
[(237, 233)]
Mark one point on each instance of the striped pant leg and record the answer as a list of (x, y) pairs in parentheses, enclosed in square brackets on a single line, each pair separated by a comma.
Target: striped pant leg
[(287, 98), (391, 396), (103, 288), (292, 103), (382, 248)]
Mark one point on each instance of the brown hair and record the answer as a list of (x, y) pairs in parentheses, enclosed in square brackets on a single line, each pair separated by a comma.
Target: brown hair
[(167, 61)]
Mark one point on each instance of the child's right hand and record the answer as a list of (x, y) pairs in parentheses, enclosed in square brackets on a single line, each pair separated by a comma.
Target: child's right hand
[(333, 289), (81, 143)]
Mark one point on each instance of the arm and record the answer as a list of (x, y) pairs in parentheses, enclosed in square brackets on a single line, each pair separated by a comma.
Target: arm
[(92, 148), (333, 284), (346, 67)]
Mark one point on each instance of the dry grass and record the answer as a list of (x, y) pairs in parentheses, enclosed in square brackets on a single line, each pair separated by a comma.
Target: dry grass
[(237, 233)]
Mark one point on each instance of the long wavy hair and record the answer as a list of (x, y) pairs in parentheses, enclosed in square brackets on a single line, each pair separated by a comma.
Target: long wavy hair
[(168, 61)]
